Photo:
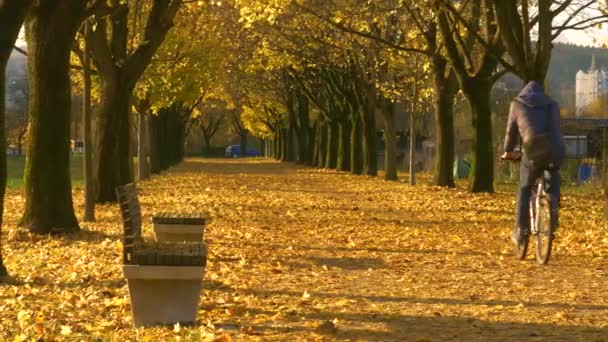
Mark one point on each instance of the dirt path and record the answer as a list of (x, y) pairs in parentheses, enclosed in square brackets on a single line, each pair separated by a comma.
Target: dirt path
[(293, 249)]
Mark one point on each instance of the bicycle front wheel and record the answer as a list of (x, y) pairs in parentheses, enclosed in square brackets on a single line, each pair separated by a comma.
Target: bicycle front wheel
[(544, 237)]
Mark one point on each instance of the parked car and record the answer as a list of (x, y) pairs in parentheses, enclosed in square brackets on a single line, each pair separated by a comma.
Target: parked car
[(234, 151)]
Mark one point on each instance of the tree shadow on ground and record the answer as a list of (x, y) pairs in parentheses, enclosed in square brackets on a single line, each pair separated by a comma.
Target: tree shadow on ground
[(398, 327), (91, 235), (429, 300), (349, 264), (335, 249)]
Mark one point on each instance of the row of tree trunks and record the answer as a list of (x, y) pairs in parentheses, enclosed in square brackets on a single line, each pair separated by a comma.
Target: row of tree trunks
[(164, 139), (332, 144), (344, 136)]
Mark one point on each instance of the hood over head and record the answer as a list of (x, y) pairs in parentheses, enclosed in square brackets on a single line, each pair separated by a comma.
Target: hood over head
[(533, 95)]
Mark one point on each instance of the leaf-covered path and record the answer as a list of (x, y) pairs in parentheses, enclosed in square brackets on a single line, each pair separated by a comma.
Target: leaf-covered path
[(305, 254)]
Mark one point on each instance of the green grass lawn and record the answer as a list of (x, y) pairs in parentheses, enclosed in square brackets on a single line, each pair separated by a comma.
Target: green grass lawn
[(16, 165)]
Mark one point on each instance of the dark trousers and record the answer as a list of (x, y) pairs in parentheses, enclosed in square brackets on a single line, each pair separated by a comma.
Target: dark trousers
[(527, 180)]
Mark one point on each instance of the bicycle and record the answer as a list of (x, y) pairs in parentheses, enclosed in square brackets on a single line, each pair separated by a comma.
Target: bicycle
[(541, 224)]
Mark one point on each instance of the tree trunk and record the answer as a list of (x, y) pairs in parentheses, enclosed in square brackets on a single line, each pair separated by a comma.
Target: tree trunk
[(343, 162), (331, 157), (3, 171), (322, 146), (477, 93), (444, 135), (243, 144), (356, 145), (272, 145), (154, 145), (304, 131), (164, 139), (20, 141), (302, 145), (284, 143), (291, 148), (262, 147), (207, 145), (412, 157), (390, 141), (89, 181), (181, 140), (12, 14), (370, 159), (277, 144), (51, 30), (604, 173), (113, 158), (281, 144), (142, 147), (316, 142), (413, 131)]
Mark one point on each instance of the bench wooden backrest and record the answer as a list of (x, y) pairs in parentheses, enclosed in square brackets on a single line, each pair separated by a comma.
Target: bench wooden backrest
[(131, 219)]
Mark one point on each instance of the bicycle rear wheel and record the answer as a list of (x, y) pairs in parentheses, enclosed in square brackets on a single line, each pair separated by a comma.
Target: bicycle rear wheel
[(521, 249), (544, 237)]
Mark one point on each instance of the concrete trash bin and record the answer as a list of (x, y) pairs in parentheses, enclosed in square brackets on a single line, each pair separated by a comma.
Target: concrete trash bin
[(162, 295), (178, 227)]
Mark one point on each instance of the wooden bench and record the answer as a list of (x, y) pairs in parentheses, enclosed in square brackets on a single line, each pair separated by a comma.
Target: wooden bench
[(136, 252), (164, 278)]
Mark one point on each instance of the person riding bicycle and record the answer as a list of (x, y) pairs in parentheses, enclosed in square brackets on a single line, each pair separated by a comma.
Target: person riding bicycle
[(535, 118)]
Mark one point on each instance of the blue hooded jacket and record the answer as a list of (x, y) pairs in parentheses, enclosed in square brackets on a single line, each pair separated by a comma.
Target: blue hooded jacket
[(532, 112)]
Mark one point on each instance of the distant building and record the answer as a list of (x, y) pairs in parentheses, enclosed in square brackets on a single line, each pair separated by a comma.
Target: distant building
[(590, 86)]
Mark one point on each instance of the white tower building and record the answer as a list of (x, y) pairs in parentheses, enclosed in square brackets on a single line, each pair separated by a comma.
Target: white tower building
[(590, 86)]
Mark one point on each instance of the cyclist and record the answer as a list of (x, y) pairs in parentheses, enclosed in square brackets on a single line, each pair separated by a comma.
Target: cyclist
[(535, 118)]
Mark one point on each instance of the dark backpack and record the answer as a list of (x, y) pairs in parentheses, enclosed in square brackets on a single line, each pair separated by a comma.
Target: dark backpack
[(539, 151)]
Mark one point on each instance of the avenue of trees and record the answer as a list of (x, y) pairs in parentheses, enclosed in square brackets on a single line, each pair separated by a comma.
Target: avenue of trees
[(308, 77)]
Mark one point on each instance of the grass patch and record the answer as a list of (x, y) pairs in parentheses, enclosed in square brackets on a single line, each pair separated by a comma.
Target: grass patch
[(16, 166)]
